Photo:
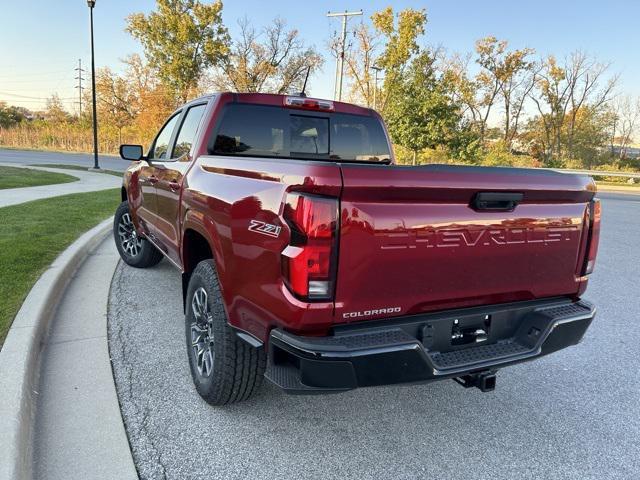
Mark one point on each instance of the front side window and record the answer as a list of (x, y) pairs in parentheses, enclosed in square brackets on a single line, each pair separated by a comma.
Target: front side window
[(188, 130), (258, 130), (161, 144)]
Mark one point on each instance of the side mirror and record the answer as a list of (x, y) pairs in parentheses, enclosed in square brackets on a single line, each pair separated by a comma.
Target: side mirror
[(131, 152)]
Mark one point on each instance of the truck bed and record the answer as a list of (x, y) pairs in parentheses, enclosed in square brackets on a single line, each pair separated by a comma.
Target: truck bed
[(413, 239)]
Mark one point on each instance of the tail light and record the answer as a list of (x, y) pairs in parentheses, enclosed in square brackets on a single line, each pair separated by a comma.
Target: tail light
[(594, 236), (309, 262)]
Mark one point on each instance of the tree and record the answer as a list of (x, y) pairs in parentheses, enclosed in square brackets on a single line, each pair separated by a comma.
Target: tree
[(389, 44), (181, 40), (11, 115), (421, 113), (150, 101), (506, 74), (400, 33), (624, 118), (275, 60), (116, 100), (359, 62), (464, 88), (55, 111), (561, 92)]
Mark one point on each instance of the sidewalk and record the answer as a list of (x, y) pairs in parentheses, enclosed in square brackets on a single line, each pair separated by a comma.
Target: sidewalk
[(88, 182), (78, 426)]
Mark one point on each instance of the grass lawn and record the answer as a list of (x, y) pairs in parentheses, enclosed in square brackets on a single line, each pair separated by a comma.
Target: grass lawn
[(76, 167), (14, 177), (33, 234)]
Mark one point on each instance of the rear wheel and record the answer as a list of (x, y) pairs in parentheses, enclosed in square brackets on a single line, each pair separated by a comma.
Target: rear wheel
[(224, 368), (133, 249)]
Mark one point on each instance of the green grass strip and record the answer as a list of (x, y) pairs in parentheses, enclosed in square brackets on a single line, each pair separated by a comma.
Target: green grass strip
[(33, 234), (14, 177)]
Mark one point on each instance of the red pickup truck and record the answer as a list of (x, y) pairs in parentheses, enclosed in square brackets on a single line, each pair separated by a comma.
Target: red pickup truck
[(309, 258)]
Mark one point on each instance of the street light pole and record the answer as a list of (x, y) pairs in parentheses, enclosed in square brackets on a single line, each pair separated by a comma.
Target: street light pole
[(375, 87), (96, 165)]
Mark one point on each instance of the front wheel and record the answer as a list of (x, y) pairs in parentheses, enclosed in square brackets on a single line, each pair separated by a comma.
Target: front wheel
[(133, 249), (224, 368)]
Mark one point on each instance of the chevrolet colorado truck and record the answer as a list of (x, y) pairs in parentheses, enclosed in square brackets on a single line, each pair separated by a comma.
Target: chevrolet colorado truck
[(309, 258)]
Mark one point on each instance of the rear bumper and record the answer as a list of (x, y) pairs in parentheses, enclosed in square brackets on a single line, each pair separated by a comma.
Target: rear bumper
[(420, 348)]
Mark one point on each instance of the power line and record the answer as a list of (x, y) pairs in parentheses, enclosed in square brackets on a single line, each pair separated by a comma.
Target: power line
[(33, 98), (32, 74)]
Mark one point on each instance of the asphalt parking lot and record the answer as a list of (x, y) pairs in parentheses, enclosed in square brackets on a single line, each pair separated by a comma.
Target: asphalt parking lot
[(574, 414)]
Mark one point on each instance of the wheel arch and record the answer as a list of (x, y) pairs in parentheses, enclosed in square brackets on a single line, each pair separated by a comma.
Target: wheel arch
[(197, 245)]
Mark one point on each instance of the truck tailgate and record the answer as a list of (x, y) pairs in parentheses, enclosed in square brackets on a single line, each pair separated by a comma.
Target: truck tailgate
[(413, 240)]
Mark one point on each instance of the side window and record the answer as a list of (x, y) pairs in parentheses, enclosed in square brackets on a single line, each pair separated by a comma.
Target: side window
[(161, 143), (358, 138), (252, 130), (188, 130)]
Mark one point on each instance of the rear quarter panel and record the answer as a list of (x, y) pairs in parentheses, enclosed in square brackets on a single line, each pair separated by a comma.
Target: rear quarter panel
[(224, 195)]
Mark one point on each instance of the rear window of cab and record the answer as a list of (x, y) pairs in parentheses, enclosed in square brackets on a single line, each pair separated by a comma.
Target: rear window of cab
[(267, 131)]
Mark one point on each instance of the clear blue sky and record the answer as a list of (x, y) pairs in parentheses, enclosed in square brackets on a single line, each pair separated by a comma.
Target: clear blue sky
[(41, 40)]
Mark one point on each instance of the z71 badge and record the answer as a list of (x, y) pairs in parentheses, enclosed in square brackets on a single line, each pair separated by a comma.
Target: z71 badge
[(264, 228)]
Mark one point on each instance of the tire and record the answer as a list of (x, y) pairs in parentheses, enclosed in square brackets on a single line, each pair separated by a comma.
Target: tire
[(224, 368), (133, 249)]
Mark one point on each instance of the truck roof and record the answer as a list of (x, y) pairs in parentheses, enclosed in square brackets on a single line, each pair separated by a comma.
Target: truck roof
[(279, 100)]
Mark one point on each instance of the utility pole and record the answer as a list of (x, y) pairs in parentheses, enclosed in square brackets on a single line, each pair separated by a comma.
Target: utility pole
[(340, 60), (80, 79)]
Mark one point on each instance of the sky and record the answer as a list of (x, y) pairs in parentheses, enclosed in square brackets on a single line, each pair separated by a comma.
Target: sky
[(42, 40)]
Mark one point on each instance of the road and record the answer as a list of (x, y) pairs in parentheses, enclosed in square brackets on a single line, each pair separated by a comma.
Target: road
[(571, 415), (30, 157)]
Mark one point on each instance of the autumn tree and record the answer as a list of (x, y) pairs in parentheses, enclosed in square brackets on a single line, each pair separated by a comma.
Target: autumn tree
[(116, 100), (152, 100), (389, 44), (505, 76), (561, 92), (360, 59), (55, 111), (464, 88), (181, 40), (273, 60), (421, 114), (400, 34)]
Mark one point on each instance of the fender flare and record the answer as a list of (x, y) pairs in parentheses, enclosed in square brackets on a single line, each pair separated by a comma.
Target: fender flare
[(197, 221)]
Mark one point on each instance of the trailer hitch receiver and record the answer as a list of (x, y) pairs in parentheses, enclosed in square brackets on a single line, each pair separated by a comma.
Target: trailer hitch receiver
[(485, 381)]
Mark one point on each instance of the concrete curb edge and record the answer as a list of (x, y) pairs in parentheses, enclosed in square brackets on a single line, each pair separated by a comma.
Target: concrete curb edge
[(20, 354)]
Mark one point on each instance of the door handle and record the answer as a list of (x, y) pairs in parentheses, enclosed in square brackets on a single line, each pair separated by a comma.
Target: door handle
[(174, 186), (496, 201)]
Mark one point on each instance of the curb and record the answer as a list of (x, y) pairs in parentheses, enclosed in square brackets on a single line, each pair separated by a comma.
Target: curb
[(20, 354)]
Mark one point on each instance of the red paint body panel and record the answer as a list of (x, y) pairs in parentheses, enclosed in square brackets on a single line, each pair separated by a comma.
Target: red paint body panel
[(408, 239)]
